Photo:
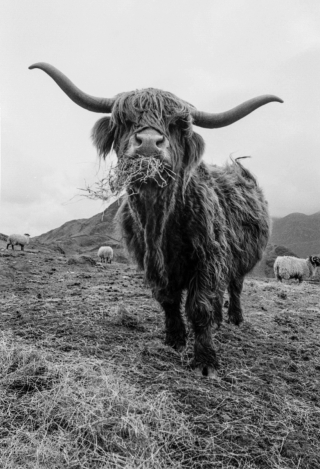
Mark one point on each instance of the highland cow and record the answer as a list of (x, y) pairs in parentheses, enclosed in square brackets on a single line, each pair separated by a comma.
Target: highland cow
[(191, 227)]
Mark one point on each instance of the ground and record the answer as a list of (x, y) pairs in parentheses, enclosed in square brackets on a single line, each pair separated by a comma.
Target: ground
[(86, 380)]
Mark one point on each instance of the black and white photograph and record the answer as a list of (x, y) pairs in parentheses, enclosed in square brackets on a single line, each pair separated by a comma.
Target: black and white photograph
[(160, 234)]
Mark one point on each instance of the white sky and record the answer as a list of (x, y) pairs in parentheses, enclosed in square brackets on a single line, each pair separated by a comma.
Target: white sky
[(212, 53)]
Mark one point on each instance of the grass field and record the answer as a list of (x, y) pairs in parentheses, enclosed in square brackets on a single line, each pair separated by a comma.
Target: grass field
[(87, 382)]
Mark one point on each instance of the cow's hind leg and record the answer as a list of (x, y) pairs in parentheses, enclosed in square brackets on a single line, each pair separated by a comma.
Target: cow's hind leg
[(235, 310), (175, 327)]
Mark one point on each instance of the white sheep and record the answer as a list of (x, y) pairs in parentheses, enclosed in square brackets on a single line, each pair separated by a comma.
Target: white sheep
[(286, 267), (18, 240), (105, 254)]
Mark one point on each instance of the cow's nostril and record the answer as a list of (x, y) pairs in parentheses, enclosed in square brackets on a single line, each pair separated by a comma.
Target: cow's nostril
[(138, 139), (159, 141)]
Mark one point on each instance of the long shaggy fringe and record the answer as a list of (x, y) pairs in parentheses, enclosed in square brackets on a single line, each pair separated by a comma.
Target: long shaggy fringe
[(151, 108)]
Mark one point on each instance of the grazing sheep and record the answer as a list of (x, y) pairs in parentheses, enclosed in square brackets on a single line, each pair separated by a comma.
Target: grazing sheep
[(190, 227), (105, 254), (18, 240), (286, 267)]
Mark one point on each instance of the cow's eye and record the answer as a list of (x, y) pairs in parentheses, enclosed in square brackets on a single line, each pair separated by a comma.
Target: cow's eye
[(181, 124)]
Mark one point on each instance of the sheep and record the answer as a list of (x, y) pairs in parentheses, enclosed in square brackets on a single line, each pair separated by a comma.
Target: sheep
[(286, 267), (17, 239), (105, 254)]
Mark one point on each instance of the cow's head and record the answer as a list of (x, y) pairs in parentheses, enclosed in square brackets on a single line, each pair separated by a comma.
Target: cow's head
[(151, 123)]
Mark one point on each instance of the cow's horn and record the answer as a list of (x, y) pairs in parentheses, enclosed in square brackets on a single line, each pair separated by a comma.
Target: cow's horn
[(91, 103), (222, 119)]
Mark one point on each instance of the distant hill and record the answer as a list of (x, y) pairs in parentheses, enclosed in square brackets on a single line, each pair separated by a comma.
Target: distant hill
[(85, 236), (298, 232)]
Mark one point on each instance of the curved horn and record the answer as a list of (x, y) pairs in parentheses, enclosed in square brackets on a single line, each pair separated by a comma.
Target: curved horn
[(91, 103), (222, 119)]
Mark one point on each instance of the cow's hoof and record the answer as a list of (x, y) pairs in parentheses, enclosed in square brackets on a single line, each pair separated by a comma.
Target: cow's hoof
[(207, 371), (235, 319)]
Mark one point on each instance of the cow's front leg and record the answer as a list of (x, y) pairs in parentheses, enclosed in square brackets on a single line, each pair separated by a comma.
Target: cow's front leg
[(199, 309), (175, 326), (217, 308)]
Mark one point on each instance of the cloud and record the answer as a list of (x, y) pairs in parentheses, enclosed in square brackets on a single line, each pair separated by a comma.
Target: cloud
[(214, 55)]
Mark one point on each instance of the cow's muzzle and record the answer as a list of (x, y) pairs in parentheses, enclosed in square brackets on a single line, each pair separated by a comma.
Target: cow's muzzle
[(149, 142)]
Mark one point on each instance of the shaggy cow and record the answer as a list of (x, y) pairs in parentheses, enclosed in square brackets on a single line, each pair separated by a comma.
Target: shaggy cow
[(189, 226), (286, 267)]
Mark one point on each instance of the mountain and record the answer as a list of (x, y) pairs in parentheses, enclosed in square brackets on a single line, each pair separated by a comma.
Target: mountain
[(86, 235), (298, 232)]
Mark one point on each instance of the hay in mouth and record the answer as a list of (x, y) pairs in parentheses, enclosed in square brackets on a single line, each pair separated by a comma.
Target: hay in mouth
[(132, 173)]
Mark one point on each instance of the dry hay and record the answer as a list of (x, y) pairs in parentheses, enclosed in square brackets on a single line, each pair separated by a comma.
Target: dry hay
[(79, 414), (130, 174)]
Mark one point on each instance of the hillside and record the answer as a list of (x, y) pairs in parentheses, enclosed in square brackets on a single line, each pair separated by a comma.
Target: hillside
[(86, 235), (298, 232)]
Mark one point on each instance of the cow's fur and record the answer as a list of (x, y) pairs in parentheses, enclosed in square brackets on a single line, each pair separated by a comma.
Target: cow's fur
[(202, 233), (287, 267)]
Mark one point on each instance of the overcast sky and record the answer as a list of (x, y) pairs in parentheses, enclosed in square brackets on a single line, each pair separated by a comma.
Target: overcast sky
[(214, 54)]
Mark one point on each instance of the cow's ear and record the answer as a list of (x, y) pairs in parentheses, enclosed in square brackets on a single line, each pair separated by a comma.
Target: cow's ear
[(194, 150), (103, 136)]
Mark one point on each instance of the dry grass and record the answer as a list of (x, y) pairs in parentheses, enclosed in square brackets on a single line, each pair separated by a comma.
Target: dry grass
[(75, 413), (96, 387), (129, 173)]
